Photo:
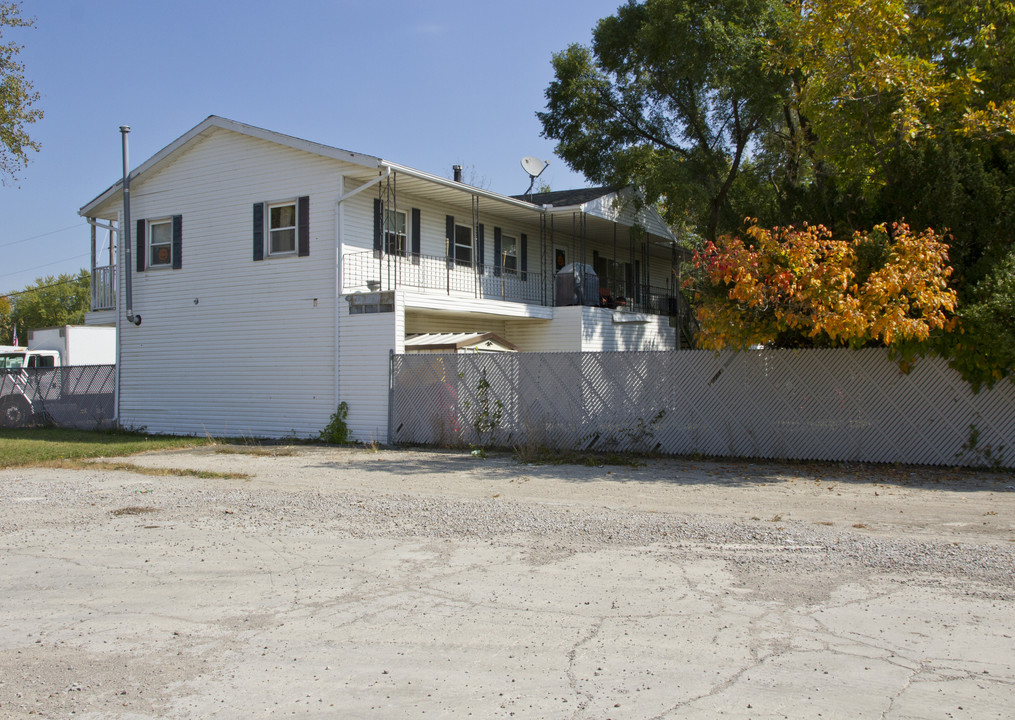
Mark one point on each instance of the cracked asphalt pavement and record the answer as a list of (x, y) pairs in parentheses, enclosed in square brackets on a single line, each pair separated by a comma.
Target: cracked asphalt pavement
[(344, 583)]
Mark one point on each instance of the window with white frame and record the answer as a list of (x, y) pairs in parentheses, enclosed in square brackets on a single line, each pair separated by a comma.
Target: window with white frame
[(509, 253), (160, 243), (282, 228), (394, 232), (463, 245)]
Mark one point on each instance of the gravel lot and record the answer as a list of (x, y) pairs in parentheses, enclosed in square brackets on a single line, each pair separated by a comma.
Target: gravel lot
[(390, 584)]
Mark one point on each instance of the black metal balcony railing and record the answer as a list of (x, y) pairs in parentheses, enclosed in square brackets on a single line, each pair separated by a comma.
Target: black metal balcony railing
[(427, 272), (103, 293), (368, 271)]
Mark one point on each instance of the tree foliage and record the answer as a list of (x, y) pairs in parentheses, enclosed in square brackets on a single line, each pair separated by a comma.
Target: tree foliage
[(849, 114), (880, 287), (668, 97), (17, 97), (871, 78), (49, 302)]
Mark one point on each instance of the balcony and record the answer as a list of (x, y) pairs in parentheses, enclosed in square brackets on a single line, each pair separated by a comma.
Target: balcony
[(367, 271), (103, 287), (380, 272)]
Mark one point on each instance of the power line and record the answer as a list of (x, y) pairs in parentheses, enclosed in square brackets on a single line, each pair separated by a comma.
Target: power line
[(45, 234), (41, 287), (55, 262)]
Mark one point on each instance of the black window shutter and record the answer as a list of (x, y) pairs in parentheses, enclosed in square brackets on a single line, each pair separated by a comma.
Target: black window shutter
[(497, 251), (449, 221), (524, 259), (141, 244), (258, 231), (417, 226), (177, 242), (378, 244), (303, 226), (481, 247)]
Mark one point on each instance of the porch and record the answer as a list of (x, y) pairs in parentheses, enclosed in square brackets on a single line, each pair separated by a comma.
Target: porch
[(103, 287), (429, 274)]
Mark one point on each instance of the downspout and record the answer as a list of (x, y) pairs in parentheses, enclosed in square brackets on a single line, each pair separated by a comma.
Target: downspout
[(128, 269), (339, 287)]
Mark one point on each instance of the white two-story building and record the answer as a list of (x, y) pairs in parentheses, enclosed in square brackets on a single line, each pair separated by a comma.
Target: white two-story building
[(274, 276)]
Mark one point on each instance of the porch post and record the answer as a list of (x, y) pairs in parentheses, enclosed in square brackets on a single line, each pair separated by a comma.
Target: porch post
[(94, 276)]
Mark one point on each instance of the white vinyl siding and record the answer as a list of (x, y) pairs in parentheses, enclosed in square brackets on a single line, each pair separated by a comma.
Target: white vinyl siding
[(227, 346)]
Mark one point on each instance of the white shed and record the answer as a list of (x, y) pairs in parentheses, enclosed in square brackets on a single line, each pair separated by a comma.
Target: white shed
[(463, 342)]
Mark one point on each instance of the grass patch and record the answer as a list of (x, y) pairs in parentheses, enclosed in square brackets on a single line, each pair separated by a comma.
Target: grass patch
[(35, 446), (140, 469)]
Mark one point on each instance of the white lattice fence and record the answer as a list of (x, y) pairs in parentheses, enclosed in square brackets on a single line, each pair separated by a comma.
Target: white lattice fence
[(803, 404)]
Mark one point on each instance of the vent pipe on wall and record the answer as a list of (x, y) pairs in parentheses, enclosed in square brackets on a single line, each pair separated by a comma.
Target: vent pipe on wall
[(128, 270)]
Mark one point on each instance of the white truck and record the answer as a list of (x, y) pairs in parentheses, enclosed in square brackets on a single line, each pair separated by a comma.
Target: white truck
[(32, 388)]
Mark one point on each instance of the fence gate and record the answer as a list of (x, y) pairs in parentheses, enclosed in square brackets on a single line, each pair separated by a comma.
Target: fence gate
[(793, 404)]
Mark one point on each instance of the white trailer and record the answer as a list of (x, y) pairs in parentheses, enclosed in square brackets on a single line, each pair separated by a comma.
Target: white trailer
[(77, 344)]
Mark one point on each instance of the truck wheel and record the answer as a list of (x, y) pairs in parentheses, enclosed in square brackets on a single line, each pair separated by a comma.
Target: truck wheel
[(15, 412)]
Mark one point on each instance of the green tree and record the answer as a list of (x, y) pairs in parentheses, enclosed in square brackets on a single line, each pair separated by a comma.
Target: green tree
[(873, 78), (17, 97), (669, 97), (6, 321), (51, 301)]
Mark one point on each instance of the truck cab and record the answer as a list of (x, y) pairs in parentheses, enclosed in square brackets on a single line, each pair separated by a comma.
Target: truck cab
[(20, 392), (16, 359)]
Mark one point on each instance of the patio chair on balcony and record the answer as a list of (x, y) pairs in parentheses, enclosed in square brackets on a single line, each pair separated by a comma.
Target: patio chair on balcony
[(607, 300)]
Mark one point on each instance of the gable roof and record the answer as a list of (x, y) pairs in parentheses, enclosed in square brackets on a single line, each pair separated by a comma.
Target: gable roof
[(597, 202), (214, 122)]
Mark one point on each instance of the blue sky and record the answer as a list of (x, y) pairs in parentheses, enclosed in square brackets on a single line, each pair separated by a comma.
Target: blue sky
[(425, 84)]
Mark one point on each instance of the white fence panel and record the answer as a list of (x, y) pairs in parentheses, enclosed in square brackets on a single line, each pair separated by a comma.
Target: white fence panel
[(793, 404)]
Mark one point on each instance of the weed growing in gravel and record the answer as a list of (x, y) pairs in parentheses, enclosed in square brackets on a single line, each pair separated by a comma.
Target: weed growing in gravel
[(541, 455), (133, 510), (336, 432), (259, 450)]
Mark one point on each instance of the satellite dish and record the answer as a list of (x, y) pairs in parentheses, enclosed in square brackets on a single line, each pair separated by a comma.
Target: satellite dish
[(534, 167)]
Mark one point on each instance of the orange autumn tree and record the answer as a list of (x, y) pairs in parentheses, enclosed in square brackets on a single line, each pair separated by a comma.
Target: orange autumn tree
[(882, 287)]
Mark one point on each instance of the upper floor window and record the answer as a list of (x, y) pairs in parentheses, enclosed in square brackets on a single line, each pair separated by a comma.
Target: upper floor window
[(282, 228), (509, 253), (395, 232), (160, 243), (463, 245)]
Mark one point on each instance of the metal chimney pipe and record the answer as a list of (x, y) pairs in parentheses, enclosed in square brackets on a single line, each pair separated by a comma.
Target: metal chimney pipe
[(128, 270), (458, 172)]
